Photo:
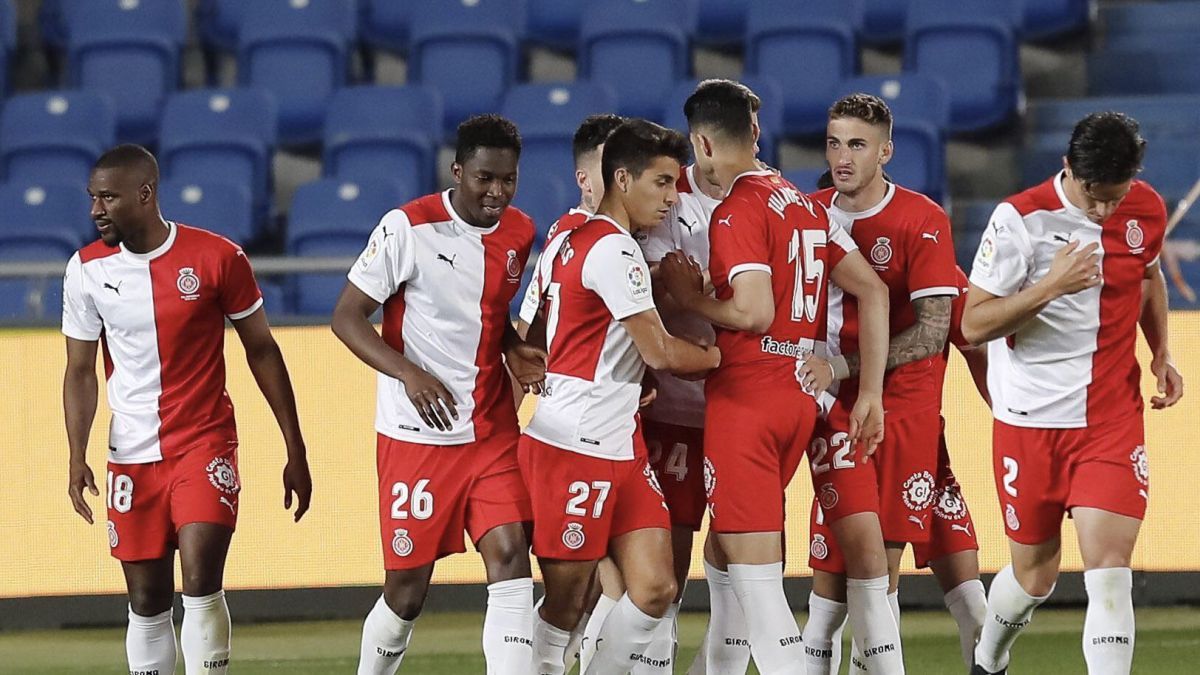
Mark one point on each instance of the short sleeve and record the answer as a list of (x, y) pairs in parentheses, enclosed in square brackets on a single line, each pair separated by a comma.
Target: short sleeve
[(737, 235), (532, 301), (1002, 262), (957, 306), (931, 266), (80, 319), (1157, 231), (389, 260), (240, 295), (616, 270), (840, 243)]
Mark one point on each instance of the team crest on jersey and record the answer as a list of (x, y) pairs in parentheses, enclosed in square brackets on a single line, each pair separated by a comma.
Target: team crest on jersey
[(1141, 464), (949, 504), (1010, 517), (513, 266), (1134, 236), (188, 283), (113, 540), (818, 549), (223, 476), (827, 496), (881, 252), (573, 537), (918, 491), (639, 285), (402, 545)]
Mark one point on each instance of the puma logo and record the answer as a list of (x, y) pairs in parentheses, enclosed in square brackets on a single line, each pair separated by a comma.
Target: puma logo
[(1061, 237), (933, 237), (387, 234), (965, 529), (449, 261), (627, 254), (115, 289), (231, 505), (725, 221), (919, 522), (686, 224)]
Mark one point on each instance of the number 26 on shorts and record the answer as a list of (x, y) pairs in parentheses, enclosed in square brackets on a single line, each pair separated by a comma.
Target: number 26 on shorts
[(418, 500)]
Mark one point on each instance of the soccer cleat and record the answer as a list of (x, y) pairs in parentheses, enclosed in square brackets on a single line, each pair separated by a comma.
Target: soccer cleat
[(978, 670)]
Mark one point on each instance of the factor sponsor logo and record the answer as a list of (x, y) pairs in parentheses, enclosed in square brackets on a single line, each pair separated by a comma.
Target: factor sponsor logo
[(795, 350)]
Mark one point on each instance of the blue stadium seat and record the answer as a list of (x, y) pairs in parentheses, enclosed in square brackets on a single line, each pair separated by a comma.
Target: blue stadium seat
[(49, 215), (384, 133), (25, 300), (808, 52), (910, 96), (218, 22), (547, 116), (8, 40), (639, 47), (1162, 116), (221, 135), (805, 179), (332, 218), (1172, 168), (1041, 155), (1153, 20), (55, 136), (1045, 19), (555, 23), (299, 52), (224, 208), (544, 197), (130, 51), (770, 116), (970, 220), (1116, 72), (984, 89), (275, 301), (920, 158), (383, 24), (469, 51), (52, 26), (722, 23)]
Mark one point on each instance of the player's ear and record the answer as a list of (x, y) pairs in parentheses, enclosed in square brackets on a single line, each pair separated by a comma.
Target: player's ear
[(581, 180), (456, 170), (146, 193), (621, 178), (886, 151)]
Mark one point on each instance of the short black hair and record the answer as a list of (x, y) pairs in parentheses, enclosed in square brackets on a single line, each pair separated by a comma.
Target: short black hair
[(635, 144), (1106, 148), (724, 106), (485, 131), (592, 133), (129, 156)]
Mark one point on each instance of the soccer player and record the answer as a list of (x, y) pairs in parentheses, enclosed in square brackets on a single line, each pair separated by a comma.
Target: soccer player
[(860, 506), (582, 454), (1065, 272), (445, 267), (157, 294), (771, 252)]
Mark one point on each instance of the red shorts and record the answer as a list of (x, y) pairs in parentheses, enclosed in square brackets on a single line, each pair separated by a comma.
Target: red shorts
[(580, 503), (951, 530), (753, 443), (677, 458), (429, 494), (1043, 473), (148, 503)]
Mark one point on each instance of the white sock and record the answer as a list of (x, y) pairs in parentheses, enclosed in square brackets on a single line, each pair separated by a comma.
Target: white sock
[(660, 653), (826, 617), (1009, 610), (385, 639), (1108, 629), (894, 605), (204, 635), (549, 647), (587, 646), (508, 627), (572, 654), (967, 603), (150, 643), (726, 646), (623, 641), (774, 636), (874, 625)]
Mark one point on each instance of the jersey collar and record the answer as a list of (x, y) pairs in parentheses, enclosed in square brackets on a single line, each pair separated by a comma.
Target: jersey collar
[(1070, 208), (612, 222), (861, 215), (158, 252), (689, 175), (464, 225)]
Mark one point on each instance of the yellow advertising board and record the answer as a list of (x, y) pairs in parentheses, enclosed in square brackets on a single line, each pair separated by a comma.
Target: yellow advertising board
[(49, 550)]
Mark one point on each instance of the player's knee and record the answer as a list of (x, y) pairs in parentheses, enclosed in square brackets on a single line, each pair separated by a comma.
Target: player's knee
[(654, 596), (1037, 581), (150, 601), (509, 560), (198, 583), (406, 602)]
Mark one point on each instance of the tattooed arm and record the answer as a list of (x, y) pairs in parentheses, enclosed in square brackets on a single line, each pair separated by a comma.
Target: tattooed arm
[(923, 339)]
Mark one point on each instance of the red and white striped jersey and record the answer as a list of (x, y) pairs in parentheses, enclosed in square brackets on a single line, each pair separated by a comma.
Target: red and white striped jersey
[(906, 240), (766, 224), (595, 276), (445, 286), (533, 292), (160, 318), (1073, 364)]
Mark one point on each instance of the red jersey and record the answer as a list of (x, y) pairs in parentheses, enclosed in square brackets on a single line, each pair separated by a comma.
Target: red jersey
[(567, 222), (955, 337), (906, 239), (766, 224), (160, 317)]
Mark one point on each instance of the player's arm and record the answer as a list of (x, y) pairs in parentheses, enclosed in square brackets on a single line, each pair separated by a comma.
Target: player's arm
[(270, 372), (526, 362), (854, 276), (976, 358), (80, 388), (752, 307), (921, 340), (665, 352), (1153, 321)]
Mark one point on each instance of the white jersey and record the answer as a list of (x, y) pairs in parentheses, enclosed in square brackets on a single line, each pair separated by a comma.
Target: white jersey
[(445, 286), (594, 276), (681, 402)]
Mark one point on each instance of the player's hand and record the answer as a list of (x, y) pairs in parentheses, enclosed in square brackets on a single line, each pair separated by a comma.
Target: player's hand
[(866, 425), (81, 478), (527, 363), (431, 398), (1074, 269), (814, 374), (1170, 383), (296, 479), (649, 390), (683, 277)]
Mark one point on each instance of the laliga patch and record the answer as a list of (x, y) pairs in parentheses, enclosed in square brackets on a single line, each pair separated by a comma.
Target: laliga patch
[(573, 537), (638, 281), (368, 256), (402, 545), (986, 255)]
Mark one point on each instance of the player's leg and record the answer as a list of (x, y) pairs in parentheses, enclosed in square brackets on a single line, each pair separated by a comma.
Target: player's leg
[(610, 587), (827, 602), (150, 636), (726, 645), (964, 595), (1106, 542), (644, 558), (205, 633), (575, 644), (566, 584), (389, 625)]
